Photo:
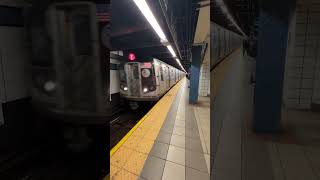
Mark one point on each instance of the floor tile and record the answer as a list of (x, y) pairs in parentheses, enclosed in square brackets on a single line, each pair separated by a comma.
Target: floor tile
[(177, 140), (113, 170), (179, 131), (181, 118), (192, 133), (159, 150), (153, 168), (141, 178), (152, 135), (193, 144), (180, 123), (167, 129), (132, 142), (144, 146), (168, 125), (173, 171), (140, 131), (120, 157), (192, 174), (135, 163), (176, 154), (196, 160), (191, 123), (123, 174), (208, 159), (164, 137)]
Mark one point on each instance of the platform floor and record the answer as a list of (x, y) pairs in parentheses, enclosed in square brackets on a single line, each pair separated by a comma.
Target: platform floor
[(172, 142), (240, 154)]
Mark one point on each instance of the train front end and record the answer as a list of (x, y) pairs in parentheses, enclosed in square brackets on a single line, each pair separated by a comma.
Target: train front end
[(138, 81)]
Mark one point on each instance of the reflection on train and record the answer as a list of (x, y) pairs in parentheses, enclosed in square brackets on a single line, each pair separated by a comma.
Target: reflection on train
[(70, 72), (147, 80), (68, 77), (224, 42)]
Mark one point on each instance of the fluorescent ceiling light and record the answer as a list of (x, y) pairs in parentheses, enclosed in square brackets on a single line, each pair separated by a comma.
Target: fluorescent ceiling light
[(171, 51), (180, 64), (146, 11)]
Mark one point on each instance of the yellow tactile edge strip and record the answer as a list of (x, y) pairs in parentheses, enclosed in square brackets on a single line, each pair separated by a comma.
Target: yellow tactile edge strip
[(128, 156), (119, 144)]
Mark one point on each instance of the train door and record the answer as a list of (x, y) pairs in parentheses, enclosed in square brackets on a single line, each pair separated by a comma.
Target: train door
[(175, 76), (133, 79), (172, 77), (162, 82), (73, 27), (168, 80)]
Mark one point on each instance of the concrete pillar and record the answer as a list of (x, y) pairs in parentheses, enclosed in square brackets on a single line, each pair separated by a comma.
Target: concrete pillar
[(270, 65), (195, 74)]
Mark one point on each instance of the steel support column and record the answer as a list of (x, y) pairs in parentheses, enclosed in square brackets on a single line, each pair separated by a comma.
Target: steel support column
[(270, 64), (195, 74)]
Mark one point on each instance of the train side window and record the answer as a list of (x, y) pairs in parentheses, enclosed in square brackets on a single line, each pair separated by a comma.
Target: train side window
[(82, 34), (123, 76)]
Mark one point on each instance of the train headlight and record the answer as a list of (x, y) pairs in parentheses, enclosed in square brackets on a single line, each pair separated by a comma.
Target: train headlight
[(125, 88), (49, 86), (145, 90), (145, 73)]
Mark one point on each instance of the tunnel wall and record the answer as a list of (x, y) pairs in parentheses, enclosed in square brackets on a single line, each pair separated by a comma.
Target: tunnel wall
[(302, 74)]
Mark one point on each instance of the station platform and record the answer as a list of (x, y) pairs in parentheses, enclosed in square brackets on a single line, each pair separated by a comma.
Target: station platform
[(171, 142), (241, 154)]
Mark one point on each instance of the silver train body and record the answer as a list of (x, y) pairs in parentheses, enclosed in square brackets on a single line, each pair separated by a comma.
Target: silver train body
[(147, 81)]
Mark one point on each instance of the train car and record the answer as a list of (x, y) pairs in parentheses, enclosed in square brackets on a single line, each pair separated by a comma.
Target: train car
[(70, 72), (70, 67), (147, 81)]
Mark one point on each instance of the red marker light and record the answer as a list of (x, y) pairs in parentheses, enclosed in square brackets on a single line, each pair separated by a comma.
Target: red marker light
[(132, 57)]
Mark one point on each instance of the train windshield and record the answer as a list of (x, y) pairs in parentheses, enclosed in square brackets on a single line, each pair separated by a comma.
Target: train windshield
[(122, 72)]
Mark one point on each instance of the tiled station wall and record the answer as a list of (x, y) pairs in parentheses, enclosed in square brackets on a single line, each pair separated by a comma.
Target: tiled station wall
[(204, 83), (302, 74)]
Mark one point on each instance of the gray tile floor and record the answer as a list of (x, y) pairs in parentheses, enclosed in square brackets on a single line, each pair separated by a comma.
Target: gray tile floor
[(239, 154), (177, 152)]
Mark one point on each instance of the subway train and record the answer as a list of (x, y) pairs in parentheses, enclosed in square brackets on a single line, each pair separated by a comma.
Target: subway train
[(69, 67), (142, 81), (224, 42)]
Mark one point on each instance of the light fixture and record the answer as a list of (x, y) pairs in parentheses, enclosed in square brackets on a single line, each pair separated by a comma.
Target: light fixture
[(49, 86), (178, 61), (171, 51), (146, 11), (125, 88), (145, 90)]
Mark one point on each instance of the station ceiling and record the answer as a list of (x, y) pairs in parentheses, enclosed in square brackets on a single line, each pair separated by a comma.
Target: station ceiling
[(131, 32), (243, 12)]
